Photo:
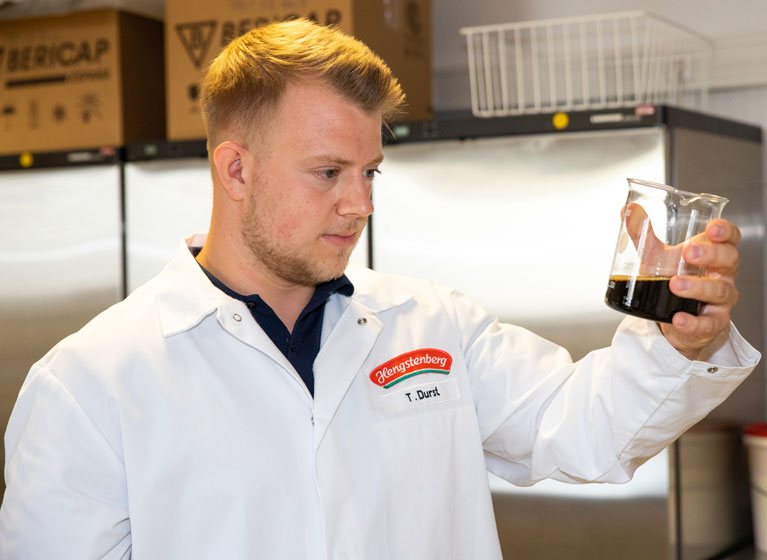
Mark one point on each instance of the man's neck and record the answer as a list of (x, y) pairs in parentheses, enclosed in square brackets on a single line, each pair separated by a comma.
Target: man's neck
[(286, 299)]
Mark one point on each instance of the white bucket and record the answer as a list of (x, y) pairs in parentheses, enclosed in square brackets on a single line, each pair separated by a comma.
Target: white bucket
[(755, 439)]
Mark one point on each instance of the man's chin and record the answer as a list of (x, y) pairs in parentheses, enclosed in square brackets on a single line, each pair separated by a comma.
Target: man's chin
[(316, 275), (331, 275)]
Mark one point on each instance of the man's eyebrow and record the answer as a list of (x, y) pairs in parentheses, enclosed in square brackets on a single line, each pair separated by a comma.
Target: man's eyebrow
[(341, 161)]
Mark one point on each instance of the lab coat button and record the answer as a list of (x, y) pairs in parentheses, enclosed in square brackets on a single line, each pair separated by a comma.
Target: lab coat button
[(712, 369), (361, 321), (237, 317)]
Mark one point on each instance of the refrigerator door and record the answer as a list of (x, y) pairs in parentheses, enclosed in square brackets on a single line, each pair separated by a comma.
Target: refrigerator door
[(61, 262), (166, 201), (527, 225)]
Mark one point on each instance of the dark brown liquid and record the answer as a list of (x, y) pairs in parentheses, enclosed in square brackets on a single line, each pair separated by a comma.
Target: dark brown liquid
[(651, 298)]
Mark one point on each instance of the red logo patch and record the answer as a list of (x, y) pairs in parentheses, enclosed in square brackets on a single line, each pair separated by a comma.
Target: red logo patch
[(424, 360)]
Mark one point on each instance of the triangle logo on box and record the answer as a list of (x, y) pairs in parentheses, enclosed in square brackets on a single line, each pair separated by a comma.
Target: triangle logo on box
[(196, 38)]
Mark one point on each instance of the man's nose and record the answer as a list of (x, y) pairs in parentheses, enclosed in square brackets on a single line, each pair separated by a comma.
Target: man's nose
[(356, 198)]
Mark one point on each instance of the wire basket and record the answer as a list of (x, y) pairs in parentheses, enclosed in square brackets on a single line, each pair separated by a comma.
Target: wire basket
[(590, 62)]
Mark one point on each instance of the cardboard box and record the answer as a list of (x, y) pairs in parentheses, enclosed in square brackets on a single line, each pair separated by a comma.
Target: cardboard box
[(399, 31), (15, 9), (80, 80)]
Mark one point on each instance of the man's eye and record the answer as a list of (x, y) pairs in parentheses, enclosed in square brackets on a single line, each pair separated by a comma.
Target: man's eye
[(328, 173), (370, 173)]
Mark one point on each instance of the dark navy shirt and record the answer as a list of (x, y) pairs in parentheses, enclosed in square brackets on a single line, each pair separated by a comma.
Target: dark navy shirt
[(302, 345)]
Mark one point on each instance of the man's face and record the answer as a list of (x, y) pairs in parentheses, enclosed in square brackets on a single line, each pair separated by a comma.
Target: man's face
[(310, 187)]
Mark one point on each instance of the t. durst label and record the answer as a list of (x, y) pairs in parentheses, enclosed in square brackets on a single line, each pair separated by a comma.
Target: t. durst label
[(419, 395)]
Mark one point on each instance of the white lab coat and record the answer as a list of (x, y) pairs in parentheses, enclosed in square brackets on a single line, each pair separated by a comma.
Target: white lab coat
[(170, 427)]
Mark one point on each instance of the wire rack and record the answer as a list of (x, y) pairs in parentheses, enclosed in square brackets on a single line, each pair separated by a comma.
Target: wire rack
[(591, 62)]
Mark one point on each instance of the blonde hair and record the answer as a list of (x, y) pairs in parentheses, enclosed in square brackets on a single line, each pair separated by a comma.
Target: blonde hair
[(245, 82)]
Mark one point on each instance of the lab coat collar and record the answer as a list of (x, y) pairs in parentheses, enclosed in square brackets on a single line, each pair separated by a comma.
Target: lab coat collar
[(187, 296), (374, 295)]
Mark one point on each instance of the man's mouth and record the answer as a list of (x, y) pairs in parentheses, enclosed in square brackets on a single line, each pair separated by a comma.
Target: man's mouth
[(342, 239)]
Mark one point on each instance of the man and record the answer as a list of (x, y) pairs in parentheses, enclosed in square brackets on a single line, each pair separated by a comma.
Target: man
[(255, 402)]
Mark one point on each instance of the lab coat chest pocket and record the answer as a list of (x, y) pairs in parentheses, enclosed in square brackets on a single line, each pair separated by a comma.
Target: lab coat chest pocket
[(422, 418)]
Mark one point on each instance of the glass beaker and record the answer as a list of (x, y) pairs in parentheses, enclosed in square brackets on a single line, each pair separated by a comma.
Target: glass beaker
[(657, 221)]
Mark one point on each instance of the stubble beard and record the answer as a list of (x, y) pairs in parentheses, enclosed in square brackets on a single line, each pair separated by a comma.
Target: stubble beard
[(290, 265)]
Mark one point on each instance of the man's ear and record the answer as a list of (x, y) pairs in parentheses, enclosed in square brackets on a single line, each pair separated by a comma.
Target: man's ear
[(227, 158)]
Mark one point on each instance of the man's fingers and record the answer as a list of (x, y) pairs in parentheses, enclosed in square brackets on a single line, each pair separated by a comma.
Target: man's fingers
[(714, 291), (715, 252), (714, 256), (703, 327), (723, 231)]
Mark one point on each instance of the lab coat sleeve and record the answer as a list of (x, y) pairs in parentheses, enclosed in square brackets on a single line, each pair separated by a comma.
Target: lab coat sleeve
[(543, 416), (66, 495)]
